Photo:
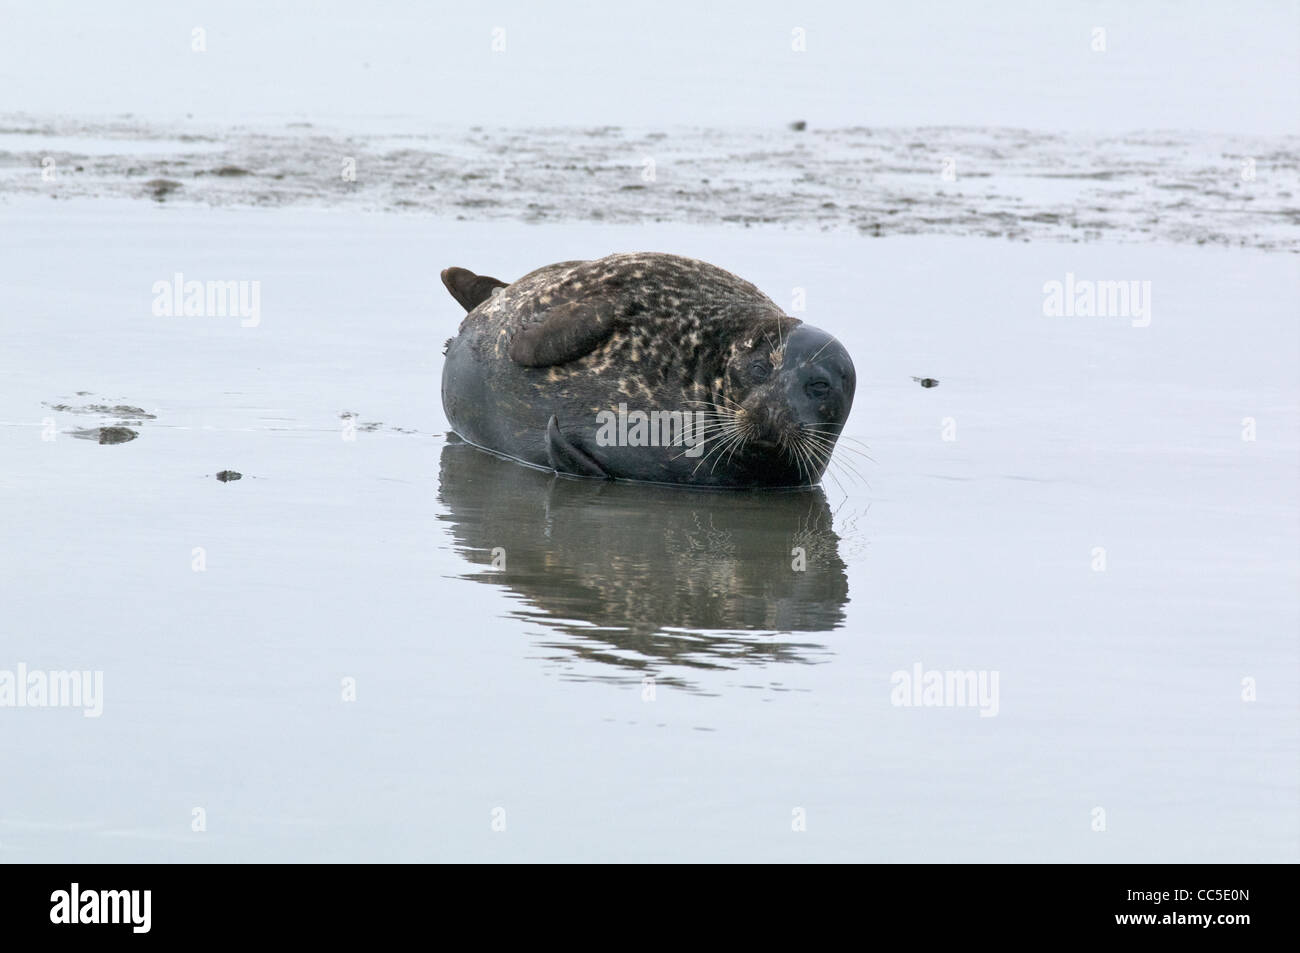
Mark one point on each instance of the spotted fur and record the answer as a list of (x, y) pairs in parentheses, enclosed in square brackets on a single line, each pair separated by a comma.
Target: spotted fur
[(679, 328)]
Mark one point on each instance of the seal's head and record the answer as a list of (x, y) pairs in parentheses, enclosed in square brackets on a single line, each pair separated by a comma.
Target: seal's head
[(786, 396)]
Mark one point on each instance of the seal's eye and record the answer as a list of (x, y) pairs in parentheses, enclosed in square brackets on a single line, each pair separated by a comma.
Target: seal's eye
[(817, 389), (759, 370)]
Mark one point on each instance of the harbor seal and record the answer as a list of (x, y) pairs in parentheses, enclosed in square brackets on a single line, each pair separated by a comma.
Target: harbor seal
[(647, 367)]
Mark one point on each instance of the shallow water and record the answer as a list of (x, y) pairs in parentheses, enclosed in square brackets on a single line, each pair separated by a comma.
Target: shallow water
[(359, 544)]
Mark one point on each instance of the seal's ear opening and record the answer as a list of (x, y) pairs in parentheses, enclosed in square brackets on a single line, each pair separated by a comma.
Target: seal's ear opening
[(469, 289)]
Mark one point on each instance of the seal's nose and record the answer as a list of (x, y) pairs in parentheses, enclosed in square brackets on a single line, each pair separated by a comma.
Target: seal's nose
[(772, 420)]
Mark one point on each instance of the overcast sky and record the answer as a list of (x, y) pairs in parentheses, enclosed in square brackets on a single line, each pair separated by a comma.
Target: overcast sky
[(1231, 66)]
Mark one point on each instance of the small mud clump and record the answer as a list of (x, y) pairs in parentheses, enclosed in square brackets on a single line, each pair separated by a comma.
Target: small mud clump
[(106, 434), (225, 476), (926, 381), (117, 410), (161, 188)]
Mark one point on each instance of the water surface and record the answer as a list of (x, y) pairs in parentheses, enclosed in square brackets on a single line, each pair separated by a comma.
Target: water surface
[(357, 549)]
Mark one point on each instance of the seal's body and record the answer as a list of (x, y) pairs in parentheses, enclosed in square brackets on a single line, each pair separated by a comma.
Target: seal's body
[(644, 367)]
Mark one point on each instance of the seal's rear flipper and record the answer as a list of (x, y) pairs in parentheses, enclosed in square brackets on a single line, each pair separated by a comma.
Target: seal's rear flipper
[(567, 458), (469, 289)]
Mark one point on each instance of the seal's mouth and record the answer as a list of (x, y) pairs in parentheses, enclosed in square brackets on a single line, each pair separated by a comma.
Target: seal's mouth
[(766, 435)]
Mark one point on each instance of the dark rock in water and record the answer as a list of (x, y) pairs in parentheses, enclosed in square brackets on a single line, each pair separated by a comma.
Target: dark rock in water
[(231, 170), (926, 381), (225, 476), (106, 434), (161, 188), (116, 434), (799, 125)]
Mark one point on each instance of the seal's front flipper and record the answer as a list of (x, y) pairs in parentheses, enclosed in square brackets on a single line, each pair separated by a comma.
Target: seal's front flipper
[(469, 289), (563, 333), (565, 457)]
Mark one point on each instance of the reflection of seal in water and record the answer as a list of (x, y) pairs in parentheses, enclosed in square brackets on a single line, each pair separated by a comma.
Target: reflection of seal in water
[(706, 588), (554, 369)]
